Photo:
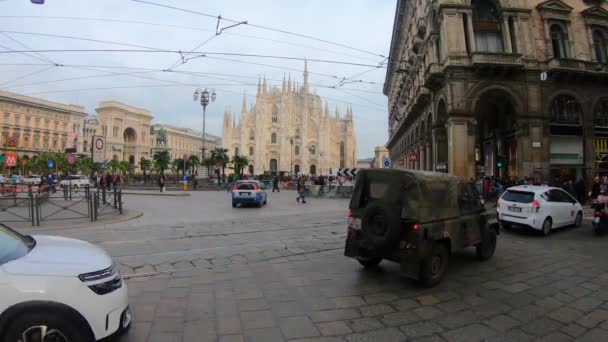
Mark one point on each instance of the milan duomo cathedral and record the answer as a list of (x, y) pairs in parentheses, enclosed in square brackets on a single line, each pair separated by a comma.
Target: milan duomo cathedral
[(288, 129)]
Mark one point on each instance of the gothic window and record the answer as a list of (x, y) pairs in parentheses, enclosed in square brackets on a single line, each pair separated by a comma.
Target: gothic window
[(297, 133), (297, 150), (274, 165), (273, 138), (599, 44), (313, 149), (342, 155), (251, 135), (236, 151), (486, 26), (275, 114), (559, 41), (251, 151), (565, 110), (601, 113)]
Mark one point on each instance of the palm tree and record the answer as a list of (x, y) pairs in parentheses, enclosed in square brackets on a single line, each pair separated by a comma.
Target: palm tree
[(194, 161), (113, 166), (180, 165), (239, 163), (220, 155), (162, 159), (126, 168), (145, 165)]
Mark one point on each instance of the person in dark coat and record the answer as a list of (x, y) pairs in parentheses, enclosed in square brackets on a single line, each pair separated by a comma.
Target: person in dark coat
[(595, 188), (579, 188), (161, 182), (275, 184)]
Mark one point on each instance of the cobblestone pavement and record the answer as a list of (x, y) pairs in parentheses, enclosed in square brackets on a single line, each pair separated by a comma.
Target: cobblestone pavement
[(205, 272)]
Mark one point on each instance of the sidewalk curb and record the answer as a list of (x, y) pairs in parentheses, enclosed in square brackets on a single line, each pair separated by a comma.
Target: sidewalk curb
[(182, 194)]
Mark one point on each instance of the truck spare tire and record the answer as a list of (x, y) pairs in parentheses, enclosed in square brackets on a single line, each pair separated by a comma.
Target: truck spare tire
[(380, 226)]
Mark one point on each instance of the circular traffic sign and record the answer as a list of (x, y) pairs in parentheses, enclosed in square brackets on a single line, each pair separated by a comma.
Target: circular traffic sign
[(544, 76), (99, 143)]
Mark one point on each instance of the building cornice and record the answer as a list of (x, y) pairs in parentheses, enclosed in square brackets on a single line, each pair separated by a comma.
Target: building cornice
[(42, 104)]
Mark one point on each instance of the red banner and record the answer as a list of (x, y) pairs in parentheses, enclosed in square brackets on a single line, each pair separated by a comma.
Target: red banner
[(10, 160)]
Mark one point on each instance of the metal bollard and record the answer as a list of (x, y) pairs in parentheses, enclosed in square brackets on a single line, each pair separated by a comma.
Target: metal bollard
[(115, 206), (120, 202), (96, 206), (103, 195), (32, 218)]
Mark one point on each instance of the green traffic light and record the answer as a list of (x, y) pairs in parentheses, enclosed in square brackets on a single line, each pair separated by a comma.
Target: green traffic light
[(499, 164)]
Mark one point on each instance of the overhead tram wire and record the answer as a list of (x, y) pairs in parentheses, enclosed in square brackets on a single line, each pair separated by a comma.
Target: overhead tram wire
[(118, 87), (106, 74), (185, 28), (262, 27), (28, 75), (26, 54), (27, 47)]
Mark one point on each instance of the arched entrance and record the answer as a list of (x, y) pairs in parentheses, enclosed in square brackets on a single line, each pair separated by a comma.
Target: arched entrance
[(250, 169), (441, 138), (274, 165), (132, 160), (313, 169), (130, 141), (129, 135), (495, 143), (296, 169)]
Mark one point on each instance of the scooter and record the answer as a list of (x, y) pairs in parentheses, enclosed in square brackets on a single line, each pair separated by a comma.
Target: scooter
[(600, 218)]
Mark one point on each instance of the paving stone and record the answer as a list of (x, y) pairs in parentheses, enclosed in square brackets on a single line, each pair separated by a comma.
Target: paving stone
[(380, 298), (452, 306), (586, 304), (427, 300), (421, 329), (502, 323), (228, 325), (375, 310), (521, 299), (334, 315), (333, 328), (516, 287), (253, 304), (573, 330), (555, 337), (593, 318), (288, 309), (527, 313), (427, 313), (365, 324), (319, 339), (298, 327), (454, 320), (264, 335), (230, 338), (400, 318), (433, 338), (595, 335), (565, 314), (446, 296), (470, 333), (405, 304), (348, 302), (549, 303), (541, 327), (257, 319), (384, 335), (513, 335)]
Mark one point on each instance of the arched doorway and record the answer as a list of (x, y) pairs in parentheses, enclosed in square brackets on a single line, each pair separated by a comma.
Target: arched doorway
[(132, 160), (250, 169), (130, 141), (130, 136), (441, 138), (495, 143), (313, 169), (296, 169), (274, 165)]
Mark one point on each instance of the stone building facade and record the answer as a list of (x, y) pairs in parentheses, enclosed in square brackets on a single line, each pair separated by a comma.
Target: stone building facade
[(512, 88), (39, 125), (289, 129), (180, 141)]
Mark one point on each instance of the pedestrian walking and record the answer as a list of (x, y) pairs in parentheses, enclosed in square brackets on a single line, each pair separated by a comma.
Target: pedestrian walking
[(161, 182), (579, 188), (301, 189), (275, 184), (115, 181), (595, 188), (195, 183)]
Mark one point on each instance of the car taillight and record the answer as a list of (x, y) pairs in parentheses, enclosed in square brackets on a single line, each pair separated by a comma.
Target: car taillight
[(255, 186), (350, 214), (415, 227), (234, 187), (536, 205)]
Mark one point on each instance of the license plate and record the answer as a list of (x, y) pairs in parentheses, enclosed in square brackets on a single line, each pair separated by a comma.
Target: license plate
[(244, 193), (596, 220), (515, 209)]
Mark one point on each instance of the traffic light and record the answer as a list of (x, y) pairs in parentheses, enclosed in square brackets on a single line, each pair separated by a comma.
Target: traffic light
[(499, 164)]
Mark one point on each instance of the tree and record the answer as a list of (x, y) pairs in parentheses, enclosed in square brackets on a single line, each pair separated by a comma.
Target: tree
[(126, 168), (239, 163), (113, 166), (145, 165), (84, 164), (220, 155), (180, 165), (162, 159), (194, 161)]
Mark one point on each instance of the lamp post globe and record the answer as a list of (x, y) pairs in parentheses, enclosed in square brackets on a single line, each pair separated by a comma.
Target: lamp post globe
[(204, 96)]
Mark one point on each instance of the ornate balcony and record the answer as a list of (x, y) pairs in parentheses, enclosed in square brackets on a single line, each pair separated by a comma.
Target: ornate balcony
[(433, 75), (576, 68), (421, 27), (499, 60)]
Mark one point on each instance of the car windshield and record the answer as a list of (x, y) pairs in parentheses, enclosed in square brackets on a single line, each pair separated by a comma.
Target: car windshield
[(12, 245), (245, 186), (518, 196)]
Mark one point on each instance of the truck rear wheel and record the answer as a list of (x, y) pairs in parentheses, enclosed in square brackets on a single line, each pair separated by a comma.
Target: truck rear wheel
[(433, 267), (485, 249), (369, 262)]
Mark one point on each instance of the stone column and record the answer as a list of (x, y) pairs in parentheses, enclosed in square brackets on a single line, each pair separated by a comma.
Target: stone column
[(421, 157), (518, 38), (506, 35), (461, 146), (472, 43), (429, 163)]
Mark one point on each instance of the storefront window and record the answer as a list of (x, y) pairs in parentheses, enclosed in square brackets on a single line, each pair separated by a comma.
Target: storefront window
[(565, 110), (601, 113)]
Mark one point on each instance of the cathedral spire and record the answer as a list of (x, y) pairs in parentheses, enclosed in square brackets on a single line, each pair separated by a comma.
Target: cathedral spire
[(337, 113), (283, 89), (306, 86), (244, 108), (326, 113), (265, 86), (259, 86), (233, 120), (289, 83)]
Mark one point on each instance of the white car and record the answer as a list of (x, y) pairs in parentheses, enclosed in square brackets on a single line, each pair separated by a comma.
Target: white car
[(75, 181), (539, 207), (249, 192), (58, 289), (31, 179)]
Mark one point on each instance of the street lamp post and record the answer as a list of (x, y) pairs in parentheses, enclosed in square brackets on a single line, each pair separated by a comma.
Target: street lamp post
[(291, 154), (205, 98)]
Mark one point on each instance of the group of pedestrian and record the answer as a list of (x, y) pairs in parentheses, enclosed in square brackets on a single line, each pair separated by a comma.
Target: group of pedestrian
[(108, 181)]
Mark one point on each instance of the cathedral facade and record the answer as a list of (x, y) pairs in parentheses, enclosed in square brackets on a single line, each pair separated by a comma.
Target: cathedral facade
[(289, 129)]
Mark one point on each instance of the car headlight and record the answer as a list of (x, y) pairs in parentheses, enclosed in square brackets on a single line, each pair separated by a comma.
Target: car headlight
[(98, 275), (108, 286), (114, 283)]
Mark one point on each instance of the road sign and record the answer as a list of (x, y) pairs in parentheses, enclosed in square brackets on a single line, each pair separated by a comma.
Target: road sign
[(99, 149), (102, 165), (386, 162), (348, 172), (71, 159), (50, 164), (10, 160)]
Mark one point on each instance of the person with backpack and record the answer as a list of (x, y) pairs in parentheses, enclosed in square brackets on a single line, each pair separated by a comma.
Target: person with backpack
[(301, 186)]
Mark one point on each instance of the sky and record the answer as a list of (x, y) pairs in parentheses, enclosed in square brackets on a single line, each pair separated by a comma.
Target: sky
[(355, 34)]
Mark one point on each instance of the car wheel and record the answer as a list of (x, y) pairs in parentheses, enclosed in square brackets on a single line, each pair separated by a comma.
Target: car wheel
[(234, 205), (578, 220), (369, 262), (75, 186), (506, 225), (433, 267), (485, 250), (546, 228), (46, 326)]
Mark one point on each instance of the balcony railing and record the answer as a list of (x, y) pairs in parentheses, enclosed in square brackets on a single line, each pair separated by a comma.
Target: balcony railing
[(497, 59), (432, 74)]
